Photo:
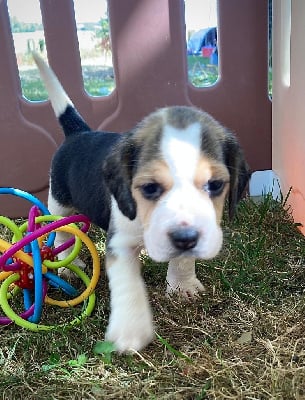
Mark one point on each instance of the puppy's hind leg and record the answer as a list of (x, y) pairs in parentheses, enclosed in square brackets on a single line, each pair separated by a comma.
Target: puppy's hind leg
[(56, 208)]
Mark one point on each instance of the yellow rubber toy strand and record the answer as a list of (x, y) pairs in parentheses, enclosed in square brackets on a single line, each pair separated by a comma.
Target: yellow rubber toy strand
[(4, 274), (95, 270), (25, 257), (73, 253)]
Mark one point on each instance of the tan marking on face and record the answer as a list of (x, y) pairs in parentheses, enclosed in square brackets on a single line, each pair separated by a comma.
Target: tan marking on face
[(208, 169), (219, 202), (203, 172), (156, 171)]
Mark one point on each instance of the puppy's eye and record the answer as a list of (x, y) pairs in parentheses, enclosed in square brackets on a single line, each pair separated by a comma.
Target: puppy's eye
[(151, 191), (214, 188)]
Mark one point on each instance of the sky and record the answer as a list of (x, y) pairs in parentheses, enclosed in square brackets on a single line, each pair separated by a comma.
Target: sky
[(85, 10), (198, 13)]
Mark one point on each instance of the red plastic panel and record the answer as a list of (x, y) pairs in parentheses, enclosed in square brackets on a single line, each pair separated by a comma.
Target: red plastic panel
[(149, 57)]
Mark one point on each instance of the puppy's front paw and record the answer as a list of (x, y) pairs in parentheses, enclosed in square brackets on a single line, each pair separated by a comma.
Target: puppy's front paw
[(188, 289), (66, 273), (130, 332)]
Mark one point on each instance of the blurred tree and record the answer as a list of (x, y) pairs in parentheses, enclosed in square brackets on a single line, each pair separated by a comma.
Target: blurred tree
[(103, 34), (18, 26)]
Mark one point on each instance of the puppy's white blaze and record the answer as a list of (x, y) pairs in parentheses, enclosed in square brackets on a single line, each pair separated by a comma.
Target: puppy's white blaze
[(181, 150), (58, 97)]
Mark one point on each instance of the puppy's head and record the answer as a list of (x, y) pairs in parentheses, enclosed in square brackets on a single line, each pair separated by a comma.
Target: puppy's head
[(174, 173)]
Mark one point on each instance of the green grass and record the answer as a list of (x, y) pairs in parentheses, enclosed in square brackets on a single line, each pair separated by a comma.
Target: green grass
[(200, 72), (100, 81), (242, 339), (249, 252)]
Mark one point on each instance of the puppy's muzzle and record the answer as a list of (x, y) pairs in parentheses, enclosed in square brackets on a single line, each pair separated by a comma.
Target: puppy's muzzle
[(185, 238)]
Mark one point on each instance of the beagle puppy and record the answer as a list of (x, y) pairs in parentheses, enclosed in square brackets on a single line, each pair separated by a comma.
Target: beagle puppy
[(161, 187)]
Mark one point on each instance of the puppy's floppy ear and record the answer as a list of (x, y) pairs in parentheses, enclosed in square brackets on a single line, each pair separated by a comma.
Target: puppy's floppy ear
[(118, 171), (238, 169)]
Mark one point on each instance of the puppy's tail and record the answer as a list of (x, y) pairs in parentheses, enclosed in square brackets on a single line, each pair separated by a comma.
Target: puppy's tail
[(67, 115)]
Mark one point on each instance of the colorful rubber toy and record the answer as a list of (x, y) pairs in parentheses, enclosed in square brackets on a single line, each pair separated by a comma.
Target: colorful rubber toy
[(29, 265)]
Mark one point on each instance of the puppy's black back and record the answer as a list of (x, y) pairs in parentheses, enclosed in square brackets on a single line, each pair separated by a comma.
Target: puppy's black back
[(72, 122), (76, 174)]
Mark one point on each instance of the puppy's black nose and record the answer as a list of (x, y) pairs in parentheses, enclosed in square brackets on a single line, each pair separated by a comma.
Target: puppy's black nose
[(184, 238)]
